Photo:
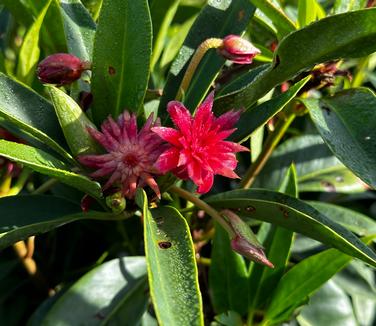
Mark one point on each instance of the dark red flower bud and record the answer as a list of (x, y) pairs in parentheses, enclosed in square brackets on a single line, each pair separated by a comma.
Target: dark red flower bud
[(61, 69), (238, 50)]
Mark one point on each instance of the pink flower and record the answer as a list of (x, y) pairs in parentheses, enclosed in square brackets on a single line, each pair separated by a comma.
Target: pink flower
[(130, 156), (61, 69), (198, 150), (238, 50)]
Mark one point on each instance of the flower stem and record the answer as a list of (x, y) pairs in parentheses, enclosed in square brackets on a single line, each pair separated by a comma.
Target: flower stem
[(210, 43), (205, 207), (270, 144)]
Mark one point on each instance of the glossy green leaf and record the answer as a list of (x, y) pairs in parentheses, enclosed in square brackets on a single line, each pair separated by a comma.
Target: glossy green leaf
[(229, 318), (293, 214), (217, 13), (172, 267), (307, 12), (29, 52), (317, 168), (52, 31), (114, 293), (74, 123), (45, 163), (328, 306), (228, 276), (260, 115), (175, 43), (79, 28), (276, 15), (162, 14), (352, 220), (302, 280), (31, 113), (44, 213), (346, 123), (121, 57), (348, 35), (277, 244)]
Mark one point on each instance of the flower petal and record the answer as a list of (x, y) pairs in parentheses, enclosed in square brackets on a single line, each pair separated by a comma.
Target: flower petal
[(168, 134), (168, 160), (180, 116)]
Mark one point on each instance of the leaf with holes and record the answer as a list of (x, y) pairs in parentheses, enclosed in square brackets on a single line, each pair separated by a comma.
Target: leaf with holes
[(172, 266)]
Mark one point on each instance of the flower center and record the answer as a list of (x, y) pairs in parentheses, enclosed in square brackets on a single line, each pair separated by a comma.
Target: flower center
[(131, 160)]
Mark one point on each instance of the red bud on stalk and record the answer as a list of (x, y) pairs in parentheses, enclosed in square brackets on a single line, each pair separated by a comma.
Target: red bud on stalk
[(238, 50), (244, 241), (61, 69)]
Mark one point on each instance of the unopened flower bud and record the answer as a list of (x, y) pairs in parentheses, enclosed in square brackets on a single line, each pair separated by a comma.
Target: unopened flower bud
[(116, 202), (244, 241), (238, 50), (61, 69)]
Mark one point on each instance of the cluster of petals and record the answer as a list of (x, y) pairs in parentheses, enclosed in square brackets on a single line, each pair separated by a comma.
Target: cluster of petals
[(131, 154), (198, 149)]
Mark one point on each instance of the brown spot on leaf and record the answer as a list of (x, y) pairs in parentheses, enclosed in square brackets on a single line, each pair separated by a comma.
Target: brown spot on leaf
[(328, 186), (164, 244), (111, 70), (241, 15)]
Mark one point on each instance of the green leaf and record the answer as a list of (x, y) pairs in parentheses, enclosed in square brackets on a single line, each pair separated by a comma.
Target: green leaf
[(29, 52), (261, 114), (31, 113), (347, 35), (121, 60), (277, 244), (302, 280), (44, 213), (328, 306), (276, 15), (293, 214), (317, 168), (348, 5), (218, 18), (114, 293), (79, 28), (346, 123), (352, 220), (74, 123), (229, 318), (306, 12), (228, 276), (176, 41), (162, 14), (45, 163), (172, 267)]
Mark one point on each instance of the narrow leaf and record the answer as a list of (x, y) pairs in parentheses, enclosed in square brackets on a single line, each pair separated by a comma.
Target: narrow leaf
[(172, 267), (45, 163), (114, 293), (293, 214), (228, 277), (30, 112), (261, 114), (276, 15), (122, 50), (29, 52), (74, 123)]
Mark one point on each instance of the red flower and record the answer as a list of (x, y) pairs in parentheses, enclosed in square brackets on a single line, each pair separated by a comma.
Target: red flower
[(238, 50), (198, 150), (131, 154), (61, 69)]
